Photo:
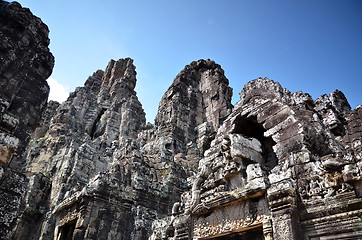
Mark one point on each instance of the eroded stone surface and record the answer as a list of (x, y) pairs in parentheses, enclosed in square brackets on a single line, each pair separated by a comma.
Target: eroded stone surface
[(99, 155), (199, 95), (25, 64), (300, 157), (275, 169)]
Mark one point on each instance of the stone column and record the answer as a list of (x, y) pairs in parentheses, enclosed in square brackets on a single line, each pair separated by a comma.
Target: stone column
[(285, 217), (268, 229)]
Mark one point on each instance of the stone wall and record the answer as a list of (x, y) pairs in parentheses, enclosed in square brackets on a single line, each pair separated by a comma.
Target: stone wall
[(25, 64)]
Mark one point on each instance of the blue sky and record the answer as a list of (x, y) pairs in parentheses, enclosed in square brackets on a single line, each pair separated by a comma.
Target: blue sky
[(312, 46)]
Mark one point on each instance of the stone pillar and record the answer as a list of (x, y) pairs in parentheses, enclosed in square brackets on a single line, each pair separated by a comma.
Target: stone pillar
[(267, 229), (285, 217)]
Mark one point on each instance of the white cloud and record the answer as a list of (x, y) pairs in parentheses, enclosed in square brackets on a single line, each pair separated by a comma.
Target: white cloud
[(57, 91)]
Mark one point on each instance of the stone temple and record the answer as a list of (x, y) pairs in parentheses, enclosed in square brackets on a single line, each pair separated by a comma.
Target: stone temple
[(276, 165)]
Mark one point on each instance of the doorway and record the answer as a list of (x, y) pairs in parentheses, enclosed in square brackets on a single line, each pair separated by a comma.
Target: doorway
[(252, 234), (66, 231)]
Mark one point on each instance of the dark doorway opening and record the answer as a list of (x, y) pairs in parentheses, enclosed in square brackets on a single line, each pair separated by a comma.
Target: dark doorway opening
[(66, 231), (252, 234)]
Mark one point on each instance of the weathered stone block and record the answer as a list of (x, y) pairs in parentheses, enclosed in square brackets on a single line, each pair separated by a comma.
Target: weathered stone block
[(247, 148), (8, 145), (253, 171)]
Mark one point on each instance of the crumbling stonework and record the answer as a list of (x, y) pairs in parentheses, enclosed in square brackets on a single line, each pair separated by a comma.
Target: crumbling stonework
[(25, 64), (277, 165), (281, 166), (108, 174), (275, 169)]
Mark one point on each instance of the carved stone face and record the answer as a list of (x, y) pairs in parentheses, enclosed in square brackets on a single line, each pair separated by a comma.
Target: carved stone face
[(330, 119), (300, 98), (329, 115)]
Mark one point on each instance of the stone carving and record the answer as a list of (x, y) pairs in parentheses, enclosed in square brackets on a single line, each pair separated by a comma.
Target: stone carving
[(269, 149), (277, 165), (203, 100)]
